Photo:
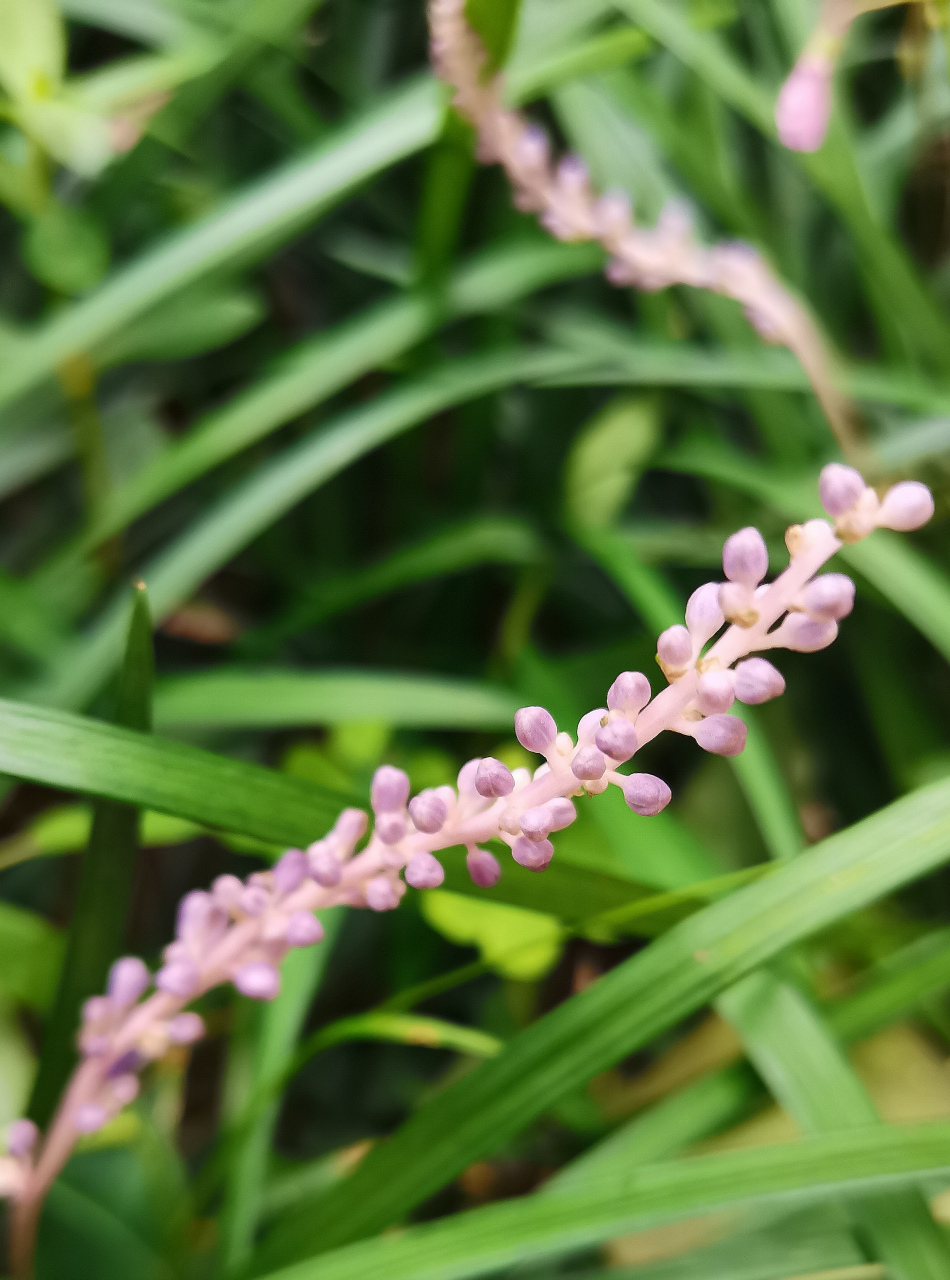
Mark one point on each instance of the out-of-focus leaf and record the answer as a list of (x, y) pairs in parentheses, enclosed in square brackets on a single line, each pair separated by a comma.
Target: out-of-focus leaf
[(519, 944), (609, 49), (495, 21), (198, 320), (32, 47), (31, 953), (152, 22), (66, 828), (403, 1028), (606, 459), (66, 248)]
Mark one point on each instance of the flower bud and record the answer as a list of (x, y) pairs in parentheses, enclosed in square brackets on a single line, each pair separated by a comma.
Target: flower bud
[(715, 692), (703, 615), (907, 506), (839, 488), (589, 764), (185, 1028), (423, 871), (722, 735), (324, 864), (555, 815), (131, 1060), (532, 147), (303, 930), (588, 724), (612, 215), (254, 900), (200, 918), (533, 854), (180, 978), (89, 1117), (674, 648), (290, 871), (646, 794), (95, 1008), (466, 778), (758, 681), (21, 1137), (350, 826), (738, 604), (390, 827), (617, 739), (535, 728), (804, 105), (572, 172), (483, 867), (258, 980), (828, 597), (129, 978), (226, 891), (799, 633), (745, 558), (493, 778), (629, 693), (428, 812), (125, 1089), (381, 894), (390, 789)]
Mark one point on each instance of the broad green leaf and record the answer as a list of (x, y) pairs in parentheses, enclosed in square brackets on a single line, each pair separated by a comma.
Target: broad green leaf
[(518, 944), (624, 1010), (233, 697)]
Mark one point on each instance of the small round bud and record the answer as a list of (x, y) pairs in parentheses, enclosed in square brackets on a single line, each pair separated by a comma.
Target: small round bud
[(178, 979), (738, 604), (617, 739), (467, 776), (483, 868), (745, 558), (390, 789), (828, 597), (839, 488), (290, 871), (703, 614), (646, 794), (381, 894), (303, 930), (428, 812), (804, 105), (535, 728), (758, 681), (722, 735), (799, 633), (674, 648), (21, 1137), (258, 980), (351, 826), (226, 891), (629, 693), (254, 900), (493, 778), (95, 1008), (907, 506), (131, 1060), (423, 871), (532, 146), (589, 764), (324, 864), (200, 918), (125, 1089), (588, 724), (90, 1117), (572, 172), (185, 1028), (715, 692), (129, 978), (390, 827), (533, 854)]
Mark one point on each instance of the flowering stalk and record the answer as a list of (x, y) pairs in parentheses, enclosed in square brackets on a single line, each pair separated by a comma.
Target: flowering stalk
[(240, 931), (804, 103), (648, 259)]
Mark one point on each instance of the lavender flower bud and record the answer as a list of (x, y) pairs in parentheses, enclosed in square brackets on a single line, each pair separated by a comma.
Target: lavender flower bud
[(493, 778), (646, 794), (533, 854), (758, 681), (178, 979), (612, 214), (423, 871), (798, 632), (324, 864), (804, 105), (828, 597), (722, 735), (125, 1089), (629, 693), (674, 648), (390, 789), (588, 724), (428, 812), (390, 827), (482, 867), (258, 980), (381, 894), (703, 614), (907, 506), (589, 764), (532, 147), (351, 826), (89, 1117), (467, 775), (535, 728), (290, 871), (21, 1137), (185, 1028), (555, 815), (738, 604), (200, 918), (617, 739), (131, 1060), (839, 488), (303, 930), (226, 891), (95, 1008), (715, 691), (745, 558), (254, 900), (572, 173), (128, 979)]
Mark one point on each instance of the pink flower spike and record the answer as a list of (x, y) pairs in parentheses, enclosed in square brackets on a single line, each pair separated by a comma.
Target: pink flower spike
[(617, 739), (303, 930), (89, 1117), (839, 488), (390, 789), (381, 894), (722, 735), (493, 779), (324, 864), (629, 693), (907, 506), (258, 981), (589, 764), (828, 597), (21, 1137), (483, 867), (290, 871), (646, 794), (535, 729), (186, 1028), (758, 681), (745, 558), (423, 871), (703, 614), (715, 692), (533, 854), (129, 978), (178, 979), (428, 812), (804, 105)]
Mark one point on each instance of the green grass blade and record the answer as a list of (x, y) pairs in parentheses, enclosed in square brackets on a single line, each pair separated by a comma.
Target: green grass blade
[(624, 1010)]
